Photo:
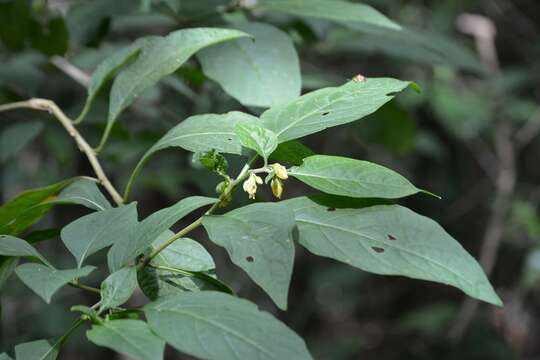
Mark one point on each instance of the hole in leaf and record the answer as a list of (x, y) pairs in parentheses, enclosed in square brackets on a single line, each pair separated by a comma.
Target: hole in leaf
[(249, 259), (393, 93), (230, 139), (331, 209), (325, 113), (377, 249), (391, 237)]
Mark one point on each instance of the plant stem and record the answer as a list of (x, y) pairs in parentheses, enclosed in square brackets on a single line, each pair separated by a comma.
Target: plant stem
[(85, 287), (52, 108), (199, 275)]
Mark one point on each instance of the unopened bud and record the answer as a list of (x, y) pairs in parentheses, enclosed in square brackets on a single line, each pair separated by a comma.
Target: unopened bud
[(280, 171), (277, 187), (250, 185)]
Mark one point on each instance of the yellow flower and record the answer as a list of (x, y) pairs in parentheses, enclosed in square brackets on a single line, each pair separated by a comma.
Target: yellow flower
[(277, 187), (250, 185), (280, 171)]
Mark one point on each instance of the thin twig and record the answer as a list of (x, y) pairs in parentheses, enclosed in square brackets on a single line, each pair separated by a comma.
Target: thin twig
[(71, 70), (52, 108), (84, 287)]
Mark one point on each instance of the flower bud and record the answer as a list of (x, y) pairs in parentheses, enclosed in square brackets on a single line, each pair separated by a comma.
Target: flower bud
[(280, 171), (250, 185), (277, 187)]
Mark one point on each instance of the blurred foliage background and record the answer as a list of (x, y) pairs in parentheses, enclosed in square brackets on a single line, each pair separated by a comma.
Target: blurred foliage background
[(470, 136)]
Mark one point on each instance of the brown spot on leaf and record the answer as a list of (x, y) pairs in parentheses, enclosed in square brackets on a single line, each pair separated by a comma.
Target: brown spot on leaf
[(325, 113), (391, 237), (377, 249), (249, 259)]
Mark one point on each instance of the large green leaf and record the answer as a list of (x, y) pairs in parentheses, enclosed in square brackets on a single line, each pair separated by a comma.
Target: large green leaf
[(12, 246), (261, 72), (390, 240), (212, 325), (349, 177), (331, 106), (16, 137), (292, 152), (255, 137), (118, 287), (201, 133), (258, 238), (45, 281), (91, 233), (160, 56), (148, 230), (334, 10), (130, 337), (106, 70), (36, 350), (184, 254), (86, 193)]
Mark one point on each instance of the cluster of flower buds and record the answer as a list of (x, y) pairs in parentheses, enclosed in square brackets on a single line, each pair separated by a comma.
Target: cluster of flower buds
[(276, 174)]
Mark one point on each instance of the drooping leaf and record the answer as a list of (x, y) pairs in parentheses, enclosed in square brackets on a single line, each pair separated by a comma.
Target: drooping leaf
[(261, 72), (160, 56), (148, 230), (45, 281), (345, 12), (106, 70), (201, 133), (91, 233), (15, 137), (329, 107), (390, 240), (130, 337), (36, 350), (350, 177), (258, 238), (255, 137), (118, 287), (292, 152), (86, 193), (12, 246), (232, 328)]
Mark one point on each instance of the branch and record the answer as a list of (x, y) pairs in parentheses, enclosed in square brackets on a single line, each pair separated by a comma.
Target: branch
[(71, 70), (52, 108), (78, 285)]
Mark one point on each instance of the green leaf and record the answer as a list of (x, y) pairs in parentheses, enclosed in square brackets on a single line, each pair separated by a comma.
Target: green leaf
[(86, 193), (12, 246), (7, 265), (4, 356), (15, 137), (213, 161), (36, 350), (212, 325), (263, 71), (344, 12), (91, 233), (118, 287), (255, 137), (148, 230), (258, 238), (390, 240), (185, 253), (130, 337), (28, 207), (106, 70), (329, 107), (349, 177), (292, 152), (200, 133), (160, 56), (45, 281)]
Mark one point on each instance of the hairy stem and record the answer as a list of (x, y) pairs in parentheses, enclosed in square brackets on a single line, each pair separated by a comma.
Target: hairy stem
[(52, 108)]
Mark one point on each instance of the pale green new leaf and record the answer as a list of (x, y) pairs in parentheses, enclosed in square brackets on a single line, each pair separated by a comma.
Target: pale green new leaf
[(201, 133), (349, 177), (258, 238), (84, 192), (329, 107), (344, 12), (36, 350), (160, 56), (390, 240), (217, 326), (15, 137), (12, 246), (129, 337), (45, 281), (106, 70), (255, 137), (118, 287), (141, 236), (91, 233), (263, 71)]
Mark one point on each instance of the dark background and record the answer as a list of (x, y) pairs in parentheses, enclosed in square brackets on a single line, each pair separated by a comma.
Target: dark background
[(469, 137)]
